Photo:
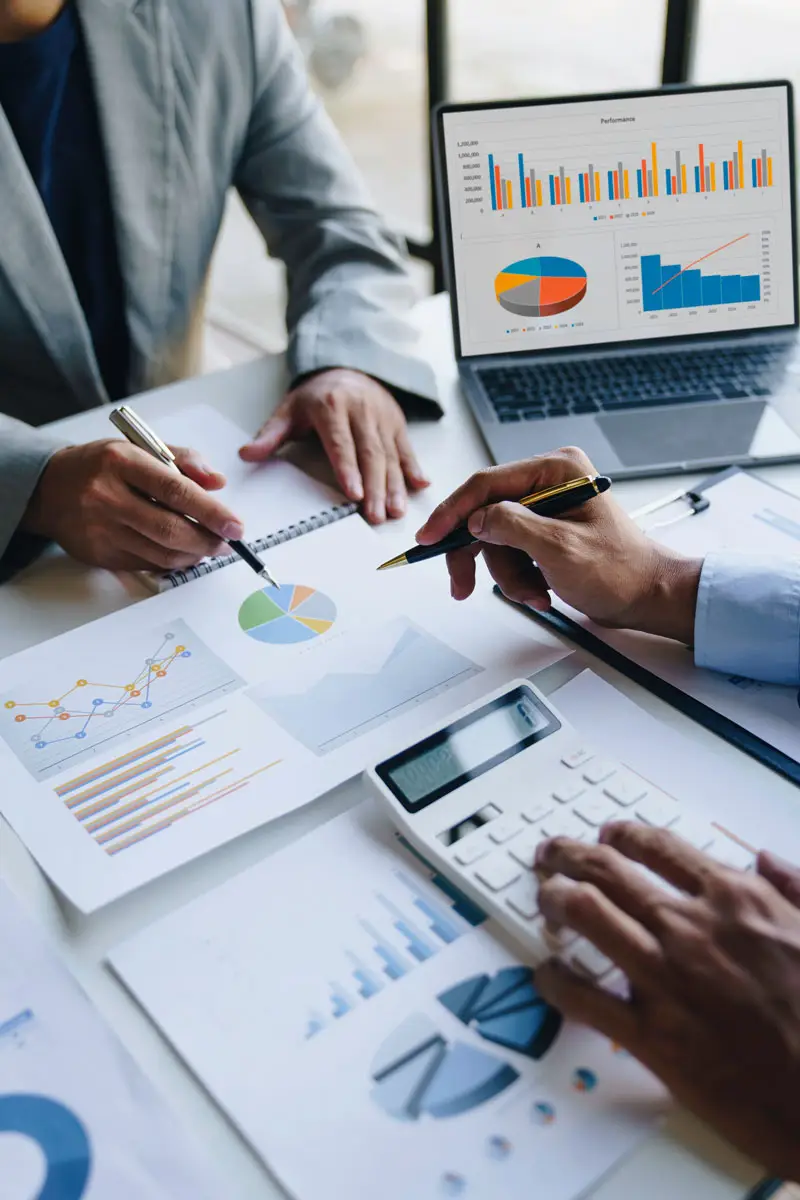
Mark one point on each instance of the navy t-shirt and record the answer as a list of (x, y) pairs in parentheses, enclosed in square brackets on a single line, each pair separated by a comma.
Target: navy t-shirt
[(47, 94)]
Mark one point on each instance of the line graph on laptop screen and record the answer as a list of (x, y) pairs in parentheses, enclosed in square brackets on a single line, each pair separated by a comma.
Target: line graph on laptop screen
[(678, 209)]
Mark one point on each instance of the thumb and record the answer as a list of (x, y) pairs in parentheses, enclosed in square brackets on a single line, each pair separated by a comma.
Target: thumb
[(193, 466), (509, 524), (783, 875), (272, 434)]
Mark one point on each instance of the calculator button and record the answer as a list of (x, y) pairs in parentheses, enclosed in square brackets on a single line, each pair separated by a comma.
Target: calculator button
[(471, 851), (559, 939), (658, 811), (504, 829), (596, 811), (524, 849), (696, 833), (576, 758), (731, 854), (523, 897), (537, 947), (569, 791), (589, 959), (498, 872), (599, 771), (537, 809), (564, 824), (626, 790)]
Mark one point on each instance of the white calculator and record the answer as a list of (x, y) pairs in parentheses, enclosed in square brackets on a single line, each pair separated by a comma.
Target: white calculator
[(476, 797)]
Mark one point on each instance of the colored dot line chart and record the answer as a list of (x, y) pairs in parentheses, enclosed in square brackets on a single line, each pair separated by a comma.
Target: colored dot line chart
[(62, 726), (137, 692)]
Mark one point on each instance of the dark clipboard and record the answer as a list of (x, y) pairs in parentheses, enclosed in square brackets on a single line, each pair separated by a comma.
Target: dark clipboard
[(722, 726)]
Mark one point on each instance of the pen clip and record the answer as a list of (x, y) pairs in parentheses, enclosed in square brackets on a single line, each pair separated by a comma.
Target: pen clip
[(558, 489), (697, 502)]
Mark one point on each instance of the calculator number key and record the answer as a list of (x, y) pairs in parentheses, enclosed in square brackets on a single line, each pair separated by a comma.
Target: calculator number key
[(498, 872)]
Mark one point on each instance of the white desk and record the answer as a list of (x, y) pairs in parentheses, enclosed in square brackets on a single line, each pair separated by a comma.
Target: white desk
[(684, 1160)]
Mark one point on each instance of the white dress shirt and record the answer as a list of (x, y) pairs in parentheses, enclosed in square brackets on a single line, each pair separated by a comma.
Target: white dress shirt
[(747, 620)]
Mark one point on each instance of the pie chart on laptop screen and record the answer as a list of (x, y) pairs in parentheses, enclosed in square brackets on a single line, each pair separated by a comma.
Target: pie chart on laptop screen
[(540, 287)]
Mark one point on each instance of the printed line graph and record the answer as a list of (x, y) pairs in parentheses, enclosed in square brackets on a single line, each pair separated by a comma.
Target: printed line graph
[(138, 692), (173, 671)]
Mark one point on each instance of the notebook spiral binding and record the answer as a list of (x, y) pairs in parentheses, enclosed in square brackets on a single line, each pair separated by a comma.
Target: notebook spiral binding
[(308, 525)]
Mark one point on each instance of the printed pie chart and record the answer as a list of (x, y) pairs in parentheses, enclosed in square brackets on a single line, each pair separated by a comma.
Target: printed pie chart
[(287, 614), (61, 1137), (540, 287)]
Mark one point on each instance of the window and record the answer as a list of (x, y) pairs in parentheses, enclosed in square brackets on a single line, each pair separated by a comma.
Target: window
[(519, 48), (738, 40), (367, 60)]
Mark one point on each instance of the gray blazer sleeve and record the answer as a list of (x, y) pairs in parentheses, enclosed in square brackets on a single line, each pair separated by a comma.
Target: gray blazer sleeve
[(346, 273), (24, 454)]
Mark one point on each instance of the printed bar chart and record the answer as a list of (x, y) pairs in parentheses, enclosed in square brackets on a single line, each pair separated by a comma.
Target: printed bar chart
[(671, 286), (405, 929), (138, 794)]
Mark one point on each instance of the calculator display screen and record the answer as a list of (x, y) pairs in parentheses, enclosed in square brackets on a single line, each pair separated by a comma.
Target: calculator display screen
[(467, 748)]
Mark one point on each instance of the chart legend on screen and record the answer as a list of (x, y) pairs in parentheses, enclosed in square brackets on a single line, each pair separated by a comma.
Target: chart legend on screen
[(287, 614), (54, 724), (540, 287)]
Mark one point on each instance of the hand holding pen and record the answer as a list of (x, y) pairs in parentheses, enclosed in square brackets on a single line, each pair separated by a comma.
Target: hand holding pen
[(96, 501), (140, 435), (594, 557)]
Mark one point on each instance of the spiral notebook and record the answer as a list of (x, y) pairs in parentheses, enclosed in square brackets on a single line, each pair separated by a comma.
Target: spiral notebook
[(275, 495), (307, 525)]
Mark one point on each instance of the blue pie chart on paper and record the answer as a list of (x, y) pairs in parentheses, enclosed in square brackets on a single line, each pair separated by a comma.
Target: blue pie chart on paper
[(61, 1137)]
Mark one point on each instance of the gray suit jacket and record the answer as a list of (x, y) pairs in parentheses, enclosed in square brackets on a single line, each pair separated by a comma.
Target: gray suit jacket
[(194, 96)]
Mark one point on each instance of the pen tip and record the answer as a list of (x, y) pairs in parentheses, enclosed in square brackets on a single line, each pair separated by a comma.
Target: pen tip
[(400, 561)]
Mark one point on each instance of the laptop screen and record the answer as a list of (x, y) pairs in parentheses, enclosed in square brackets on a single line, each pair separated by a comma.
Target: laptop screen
[(614, 220)]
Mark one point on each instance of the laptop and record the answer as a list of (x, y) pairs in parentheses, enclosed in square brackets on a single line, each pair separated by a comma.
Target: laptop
[(623, 274)]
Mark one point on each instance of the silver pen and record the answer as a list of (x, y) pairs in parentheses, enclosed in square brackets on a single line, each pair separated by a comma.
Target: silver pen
[(139, 433)]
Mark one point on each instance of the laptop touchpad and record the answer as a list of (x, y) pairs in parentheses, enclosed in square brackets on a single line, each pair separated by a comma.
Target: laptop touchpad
[(694, 433)]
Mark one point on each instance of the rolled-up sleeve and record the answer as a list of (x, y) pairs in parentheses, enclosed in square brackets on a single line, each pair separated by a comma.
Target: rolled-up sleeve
[(747, 620)]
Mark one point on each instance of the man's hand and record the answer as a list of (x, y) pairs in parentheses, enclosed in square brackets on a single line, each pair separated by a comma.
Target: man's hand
[(363, 430), (96, 501), (595, 557), (714, 972)]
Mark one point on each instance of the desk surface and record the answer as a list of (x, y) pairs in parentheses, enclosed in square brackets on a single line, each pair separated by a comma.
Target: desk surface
[(56, 595)]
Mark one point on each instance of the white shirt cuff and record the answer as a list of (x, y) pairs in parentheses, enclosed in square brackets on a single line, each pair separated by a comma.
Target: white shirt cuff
[(747, 620)]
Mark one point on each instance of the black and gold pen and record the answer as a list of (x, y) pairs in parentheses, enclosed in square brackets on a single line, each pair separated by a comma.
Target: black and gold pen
[(551, 502)]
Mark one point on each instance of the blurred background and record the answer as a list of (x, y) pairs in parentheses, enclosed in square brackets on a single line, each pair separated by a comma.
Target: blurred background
[(369, 61)]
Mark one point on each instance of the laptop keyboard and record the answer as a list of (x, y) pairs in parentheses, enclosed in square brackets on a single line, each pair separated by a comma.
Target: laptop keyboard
[(563, 389)]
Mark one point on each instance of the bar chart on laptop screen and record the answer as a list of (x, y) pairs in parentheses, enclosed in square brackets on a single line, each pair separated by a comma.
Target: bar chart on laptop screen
[(676, 209), (718, 152), (669, 273), (645, 173)]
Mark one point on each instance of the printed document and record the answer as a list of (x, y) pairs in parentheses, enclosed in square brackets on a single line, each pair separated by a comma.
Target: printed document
[(371, 1037), (77, 1119), (136, 743)]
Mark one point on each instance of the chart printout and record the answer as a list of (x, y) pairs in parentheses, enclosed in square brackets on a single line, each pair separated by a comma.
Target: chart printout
[(618, 220), (77, 1119), (374, 1013), (386, 1027), (136, 743)]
